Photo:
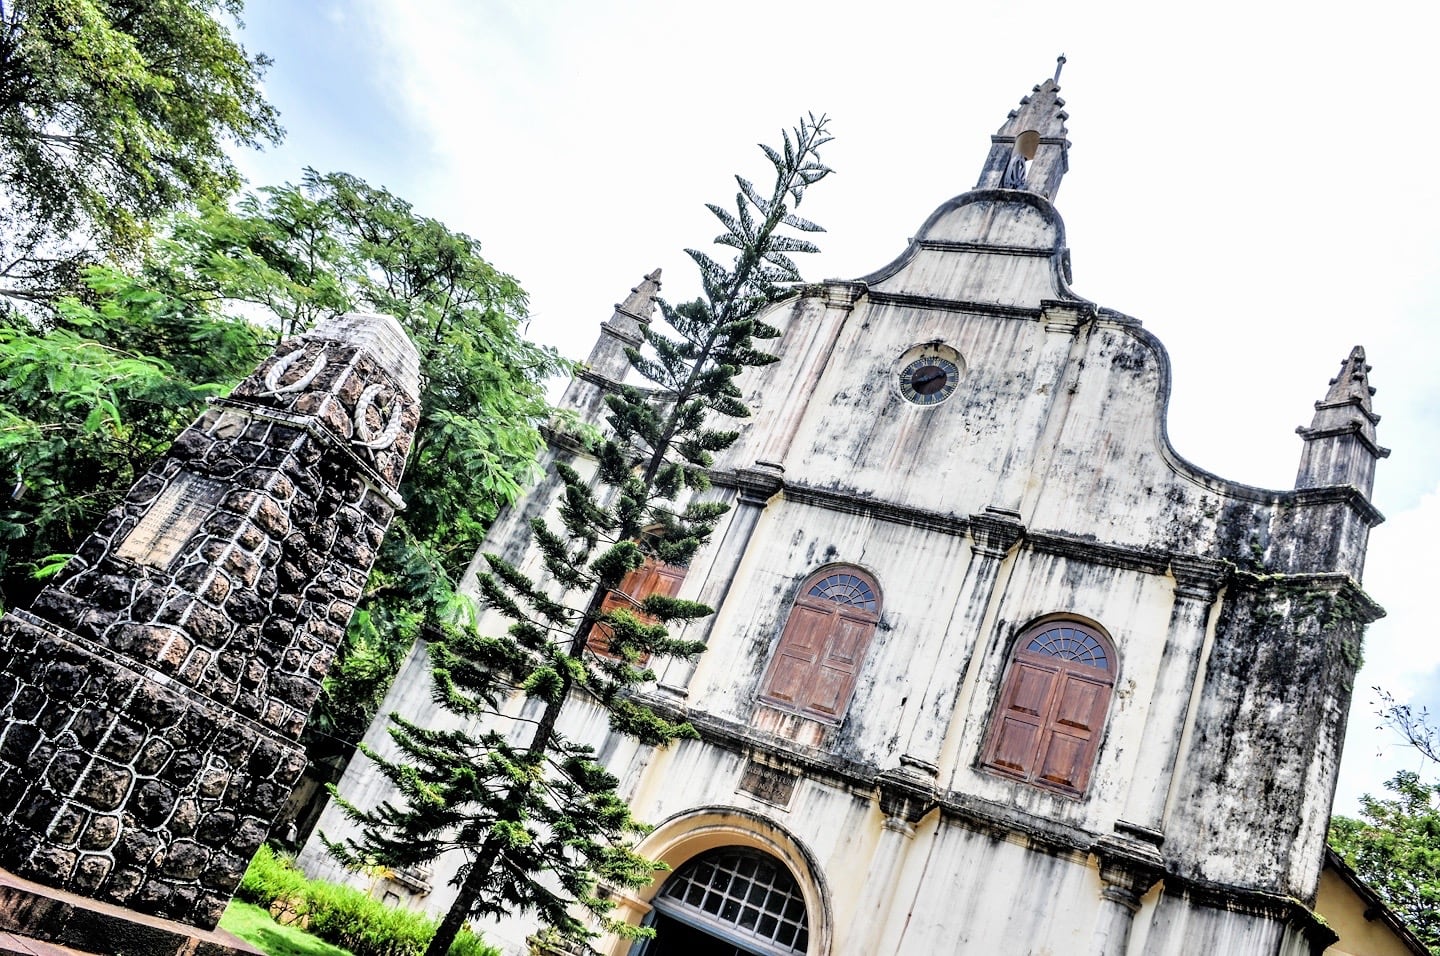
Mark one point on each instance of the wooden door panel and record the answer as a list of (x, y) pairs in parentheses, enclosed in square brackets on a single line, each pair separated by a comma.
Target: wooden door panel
[(1062, 760), (1029, 688), (667, 580), (1081, 704), (1016, 741), (787, 680), (831, 691), (848, 639), (804, 635)]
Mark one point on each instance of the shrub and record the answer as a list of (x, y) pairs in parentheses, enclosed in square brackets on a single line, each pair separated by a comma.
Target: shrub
[(348, 918), (468, 944), (271, 877), (343, 915)]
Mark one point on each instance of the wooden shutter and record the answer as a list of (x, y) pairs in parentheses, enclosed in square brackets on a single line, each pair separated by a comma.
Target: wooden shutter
[(1024, 705), (1048, 719), (839, 665), (650, 578), (801, 647), (819, 656), (1072, 731)]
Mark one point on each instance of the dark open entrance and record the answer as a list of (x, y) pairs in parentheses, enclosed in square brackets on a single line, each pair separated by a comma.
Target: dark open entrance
[(729, 902), (674, 938)]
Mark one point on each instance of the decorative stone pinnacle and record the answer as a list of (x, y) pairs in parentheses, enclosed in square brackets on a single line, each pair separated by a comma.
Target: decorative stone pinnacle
[(640, 303), (1039, 126), (1345, 409), (1059, 65)]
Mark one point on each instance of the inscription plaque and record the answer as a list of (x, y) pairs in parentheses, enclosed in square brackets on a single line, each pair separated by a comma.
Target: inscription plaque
[(160, 534)]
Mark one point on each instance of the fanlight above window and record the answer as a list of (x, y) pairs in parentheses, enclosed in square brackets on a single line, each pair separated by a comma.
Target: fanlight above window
[(844, 589), (1069, 643), (1051, 710), (737, 895)]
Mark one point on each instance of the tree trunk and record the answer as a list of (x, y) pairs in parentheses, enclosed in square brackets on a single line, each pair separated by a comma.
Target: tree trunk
[(489, 853)]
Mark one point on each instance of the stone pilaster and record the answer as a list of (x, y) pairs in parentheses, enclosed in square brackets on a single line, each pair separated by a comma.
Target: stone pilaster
[(906, 793), (1128, 869), (994, 533), (152, 698), (754, 488), (1197, 584)]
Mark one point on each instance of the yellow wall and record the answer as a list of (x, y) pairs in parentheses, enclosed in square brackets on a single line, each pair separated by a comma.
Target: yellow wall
[(1344, 910)]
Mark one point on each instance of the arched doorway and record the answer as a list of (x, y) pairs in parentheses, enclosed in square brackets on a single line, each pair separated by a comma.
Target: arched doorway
[(729, 901)]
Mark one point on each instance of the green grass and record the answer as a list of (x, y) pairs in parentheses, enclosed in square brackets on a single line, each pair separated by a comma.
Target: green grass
[(255, 926)]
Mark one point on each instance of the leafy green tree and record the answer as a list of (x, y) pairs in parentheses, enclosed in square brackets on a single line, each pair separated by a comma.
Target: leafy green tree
[(298, 253), (1395, 849), (539, 820), (113, 113), (87, 404)]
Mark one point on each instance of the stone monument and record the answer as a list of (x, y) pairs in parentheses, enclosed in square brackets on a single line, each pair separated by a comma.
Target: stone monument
[(153, 696)]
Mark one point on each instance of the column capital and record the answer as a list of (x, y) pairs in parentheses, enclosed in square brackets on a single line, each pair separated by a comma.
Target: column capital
[(760, 482), (1063, 315), (1197, 578), (995, 531), (907, 793), (1128, 868), (843, 295)]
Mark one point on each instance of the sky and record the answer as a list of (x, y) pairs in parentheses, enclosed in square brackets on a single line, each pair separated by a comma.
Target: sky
[(1252, 181)]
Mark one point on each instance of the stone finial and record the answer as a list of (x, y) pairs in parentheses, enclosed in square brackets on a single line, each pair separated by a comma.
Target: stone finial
[(640, 303), (1030, 152), (608, 364), (1340, 445), (1348, 399)]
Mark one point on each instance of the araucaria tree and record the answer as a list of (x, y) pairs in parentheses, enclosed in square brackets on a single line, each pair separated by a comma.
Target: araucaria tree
[(536, 815)]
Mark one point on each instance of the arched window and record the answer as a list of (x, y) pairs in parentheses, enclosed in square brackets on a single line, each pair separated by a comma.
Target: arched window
[(730, 901), (652, 577), (824, 644), (1052, 706)]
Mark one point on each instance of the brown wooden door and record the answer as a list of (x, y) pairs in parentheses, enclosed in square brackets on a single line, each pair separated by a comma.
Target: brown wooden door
[(650, 578), (819, 658)]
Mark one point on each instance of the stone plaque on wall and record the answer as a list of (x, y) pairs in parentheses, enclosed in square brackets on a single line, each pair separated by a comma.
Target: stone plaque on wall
[(768, 784), (178, 510)]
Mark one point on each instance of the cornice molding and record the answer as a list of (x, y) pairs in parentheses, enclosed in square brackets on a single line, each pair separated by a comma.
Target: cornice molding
[(910, 795), (1349, 428), (971, 306)]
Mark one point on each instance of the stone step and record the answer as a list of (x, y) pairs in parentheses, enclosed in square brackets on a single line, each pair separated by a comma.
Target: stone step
[(13, 945)]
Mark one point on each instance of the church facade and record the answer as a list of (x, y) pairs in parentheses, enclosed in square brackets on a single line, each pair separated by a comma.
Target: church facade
[(993, 670)]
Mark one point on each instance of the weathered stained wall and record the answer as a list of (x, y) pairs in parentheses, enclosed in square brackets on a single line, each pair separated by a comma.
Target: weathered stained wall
[(1043, 485)]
